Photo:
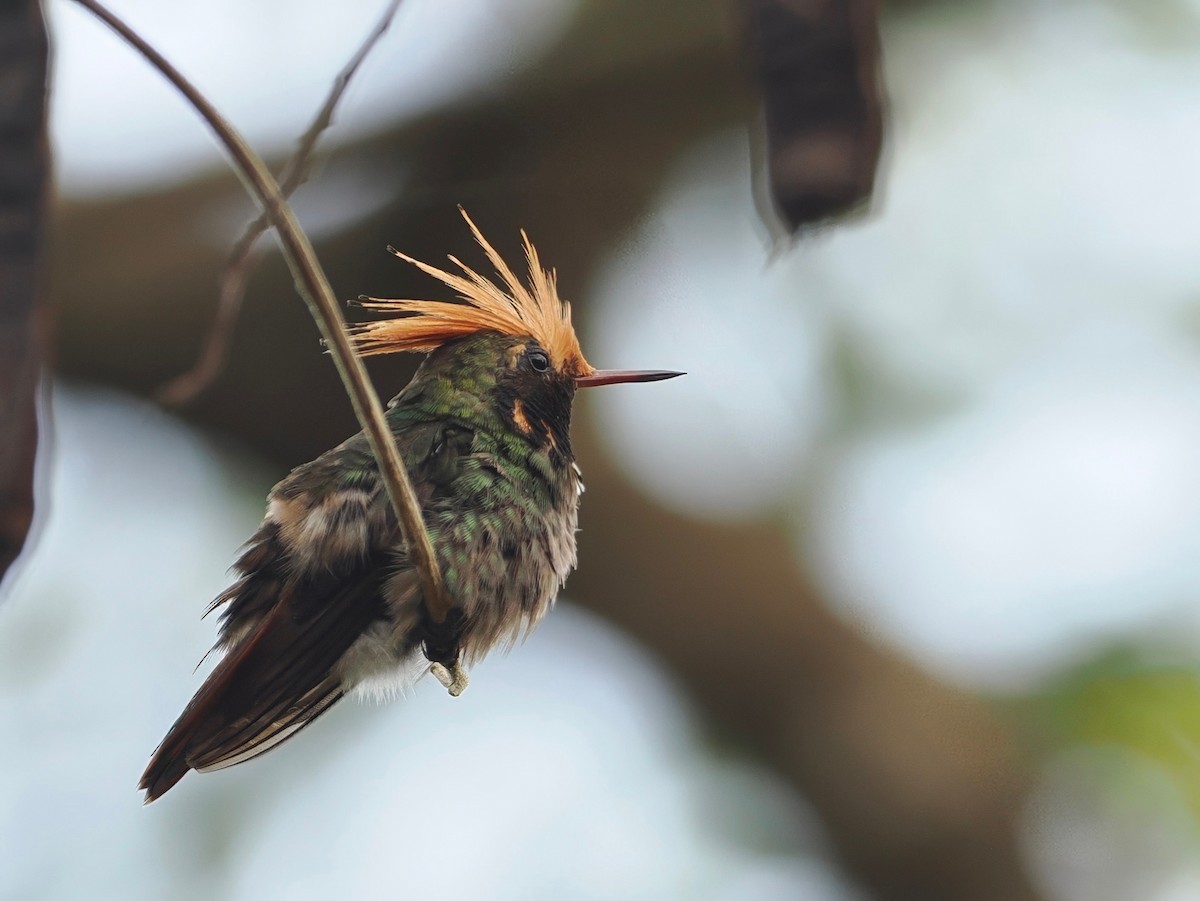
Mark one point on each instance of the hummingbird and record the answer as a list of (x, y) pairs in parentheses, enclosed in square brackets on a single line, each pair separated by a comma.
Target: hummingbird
[(326, 601)]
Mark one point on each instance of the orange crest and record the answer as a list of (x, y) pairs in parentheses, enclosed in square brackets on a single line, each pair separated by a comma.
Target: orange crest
[(533, 310)]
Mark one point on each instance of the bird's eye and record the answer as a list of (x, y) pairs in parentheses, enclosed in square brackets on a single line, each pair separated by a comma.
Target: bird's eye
[(538, 360)]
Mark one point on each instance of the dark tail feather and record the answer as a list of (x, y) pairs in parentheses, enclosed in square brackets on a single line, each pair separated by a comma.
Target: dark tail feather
[(263, 692), (162, 774), (206, 740), (272, 683), (225, 697)]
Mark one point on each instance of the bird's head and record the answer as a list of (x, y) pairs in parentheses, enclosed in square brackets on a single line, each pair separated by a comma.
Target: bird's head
[(525, 327)]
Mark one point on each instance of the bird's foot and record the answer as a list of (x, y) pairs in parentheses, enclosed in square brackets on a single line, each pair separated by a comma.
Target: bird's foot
[(453, 678)]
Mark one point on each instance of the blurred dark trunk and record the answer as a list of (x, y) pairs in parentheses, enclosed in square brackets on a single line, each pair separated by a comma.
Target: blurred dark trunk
[(919, 784), (23, 167)]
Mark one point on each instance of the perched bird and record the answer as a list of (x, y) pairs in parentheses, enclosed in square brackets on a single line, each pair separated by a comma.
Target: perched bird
[(326, 599)]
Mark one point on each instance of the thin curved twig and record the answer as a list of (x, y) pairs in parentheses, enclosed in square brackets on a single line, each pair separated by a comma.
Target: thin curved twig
[(239, 265), (314, 287)]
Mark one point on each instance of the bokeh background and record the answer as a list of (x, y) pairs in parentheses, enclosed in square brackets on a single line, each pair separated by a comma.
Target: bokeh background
[(895, 596)]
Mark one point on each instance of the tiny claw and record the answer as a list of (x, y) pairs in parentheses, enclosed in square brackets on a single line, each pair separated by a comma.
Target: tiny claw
[(453, 679), (441, 674)]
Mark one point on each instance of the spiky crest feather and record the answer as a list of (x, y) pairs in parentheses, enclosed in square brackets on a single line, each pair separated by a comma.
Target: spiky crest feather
[(535, 310)]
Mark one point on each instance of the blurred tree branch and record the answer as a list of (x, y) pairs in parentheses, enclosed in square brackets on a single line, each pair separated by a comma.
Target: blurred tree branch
[(920, 784), (23, 168), (238, 267)]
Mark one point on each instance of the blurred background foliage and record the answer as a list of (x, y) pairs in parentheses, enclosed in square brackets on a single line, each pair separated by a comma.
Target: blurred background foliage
[(894, 596)]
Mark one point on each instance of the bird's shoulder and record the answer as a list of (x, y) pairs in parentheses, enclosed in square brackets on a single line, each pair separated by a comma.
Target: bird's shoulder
[(429, 448)]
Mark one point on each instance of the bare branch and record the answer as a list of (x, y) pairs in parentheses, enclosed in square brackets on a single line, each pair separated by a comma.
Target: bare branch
[(240, 263), (314, 287)]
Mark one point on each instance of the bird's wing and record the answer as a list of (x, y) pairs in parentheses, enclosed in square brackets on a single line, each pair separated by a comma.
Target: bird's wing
[(312, 582)]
